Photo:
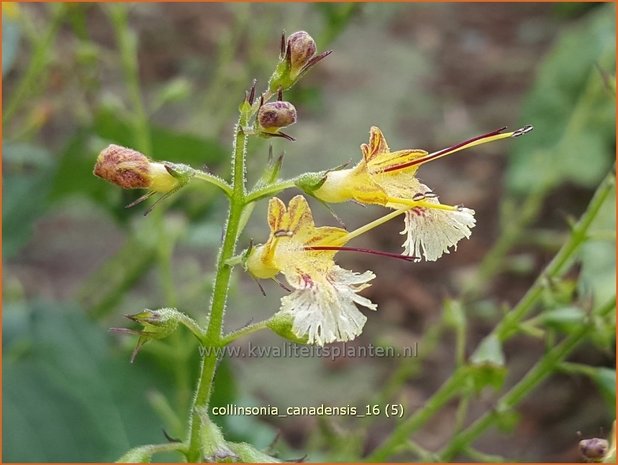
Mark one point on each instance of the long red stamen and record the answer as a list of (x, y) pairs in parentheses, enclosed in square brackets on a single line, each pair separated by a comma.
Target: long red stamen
[(369, 251), (419, 161)]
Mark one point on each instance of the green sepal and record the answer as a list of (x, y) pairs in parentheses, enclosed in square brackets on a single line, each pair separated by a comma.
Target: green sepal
[(310, 182), (281, 78), (183, 173), (249, 454), (282, 324), (214, 446), (487, 364), (157, 324)]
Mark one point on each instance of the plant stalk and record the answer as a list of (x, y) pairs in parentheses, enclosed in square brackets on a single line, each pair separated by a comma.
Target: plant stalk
[(219, 296)]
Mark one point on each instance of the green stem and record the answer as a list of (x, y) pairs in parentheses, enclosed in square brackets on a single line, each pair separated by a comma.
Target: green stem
[(40, 58), (404, 430), (215, 181), (560, 262), (546, 366), (506, 328), (143, 454), (230, 337), (270, 189), (192, 326), (219, 295)]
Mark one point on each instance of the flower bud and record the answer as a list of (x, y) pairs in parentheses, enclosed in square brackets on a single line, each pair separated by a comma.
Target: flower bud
[(131, 169), (298, 55), (593, 449), (124, 167), (301, 48), (273, 116)]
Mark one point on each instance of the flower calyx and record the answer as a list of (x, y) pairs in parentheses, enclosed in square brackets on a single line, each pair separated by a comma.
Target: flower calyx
[(156, 324)]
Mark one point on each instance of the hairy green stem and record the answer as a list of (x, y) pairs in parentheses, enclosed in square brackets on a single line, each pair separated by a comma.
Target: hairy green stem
[(231, 337), (219, 295), (506, 328), (404, 430), (546, 366), (215, 181), (271, 189)]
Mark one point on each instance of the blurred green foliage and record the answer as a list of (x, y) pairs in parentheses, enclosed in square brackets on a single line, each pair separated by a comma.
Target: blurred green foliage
[(573, 111)]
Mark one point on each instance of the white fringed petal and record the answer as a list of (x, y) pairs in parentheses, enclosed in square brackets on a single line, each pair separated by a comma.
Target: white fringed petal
[(430, 232), (324, 307)]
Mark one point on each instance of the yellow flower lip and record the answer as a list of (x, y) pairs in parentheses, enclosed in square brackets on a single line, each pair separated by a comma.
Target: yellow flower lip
[(478, 140)]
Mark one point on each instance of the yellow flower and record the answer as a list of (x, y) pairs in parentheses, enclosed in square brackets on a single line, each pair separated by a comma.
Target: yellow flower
[(323, 302), (389, 179)]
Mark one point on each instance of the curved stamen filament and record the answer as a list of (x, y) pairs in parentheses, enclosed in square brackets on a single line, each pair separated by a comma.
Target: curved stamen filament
[(478, 140), (361, 250), (369, 226)]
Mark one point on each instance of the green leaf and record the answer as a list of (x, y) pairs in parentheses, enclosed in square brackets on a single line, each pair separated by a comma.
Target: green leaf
[(72, 397), (571, 109), (26, 189), (487, 363)]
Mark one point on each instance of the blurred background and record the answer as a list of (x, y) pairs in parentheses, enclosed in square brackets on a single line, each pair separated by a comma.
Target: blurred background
[(429, 75)]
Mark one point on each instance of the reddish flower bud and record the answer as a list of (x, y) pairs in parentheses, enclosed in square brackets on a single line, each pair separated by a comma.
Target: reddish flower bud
[(124, 167), (298, 55), (131, 169), (301, 48), (273, 116), (593, 449)]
